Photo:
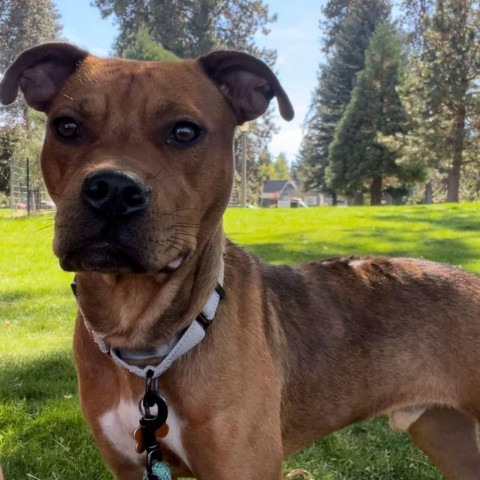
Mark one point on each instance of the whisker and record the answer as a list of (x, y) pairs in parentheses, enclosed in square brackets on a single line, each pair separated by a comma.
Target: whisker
[(183, 244), (173, 212), (155, 176), (174, 241), (184, 234), (193, 225), (176, 248)]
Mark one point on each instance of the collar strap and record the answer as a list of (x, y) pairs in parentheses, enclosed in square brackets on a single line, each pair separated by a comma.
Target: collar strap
[(168, 353)]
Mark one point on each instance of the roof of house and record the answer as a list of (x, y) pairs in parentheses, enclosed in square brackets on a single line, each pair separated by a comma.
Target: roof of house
[(273, 186)]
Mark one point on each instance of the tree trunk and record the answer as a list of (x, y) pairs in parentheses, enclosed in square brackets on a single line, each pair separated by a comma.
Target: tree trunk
[(428, 193), (458, 145), (334, 199), (376, 191), (453, 185)]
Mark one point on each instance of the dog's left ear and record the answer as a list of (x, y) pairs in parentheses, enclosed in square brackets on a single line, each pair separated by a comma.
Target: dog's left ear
[(40, 72), (247, 83)]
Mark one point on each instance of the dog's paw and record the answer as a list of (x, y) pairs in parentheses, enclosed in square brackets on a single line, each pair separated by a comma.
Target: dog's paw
[(298, 474)]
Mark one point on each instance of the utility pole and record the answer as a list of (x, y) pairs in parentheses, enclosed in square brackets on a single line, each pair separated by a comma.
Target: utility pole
[(243, 194), (28, 188)]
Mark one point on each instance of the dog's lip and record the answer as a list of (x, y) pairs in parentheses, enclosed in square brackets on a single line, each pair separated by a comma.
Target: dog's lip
[(107, 257), (176, 263), (103, 257)]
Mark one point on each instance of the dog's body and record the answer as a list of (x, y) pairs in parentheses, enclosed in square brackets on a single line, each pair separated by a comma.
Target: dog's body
[(138, 159)]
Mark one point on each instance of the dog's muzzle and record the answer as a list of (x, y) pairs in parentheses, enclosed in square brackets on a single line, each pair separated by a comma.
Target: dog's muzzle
[(114, 202)]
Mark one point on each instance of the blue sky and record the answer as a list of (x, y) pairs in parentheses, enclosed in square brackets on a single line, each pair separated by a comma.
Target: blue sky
[(295, 36)]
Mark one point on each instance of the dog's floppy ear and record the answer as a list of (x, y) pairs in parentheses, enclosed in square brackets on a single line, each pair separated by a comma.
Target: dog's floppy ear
[(40, 72), (247, 83)]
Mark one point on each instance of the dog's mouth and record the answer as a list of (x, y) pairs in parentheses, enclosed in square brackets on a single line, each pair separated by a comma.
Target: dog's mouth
[(103, 257), (106, 257)]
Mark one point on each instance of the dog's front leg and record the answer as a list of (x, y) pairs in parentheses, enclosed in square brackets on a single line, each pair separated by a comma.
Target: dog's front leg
[(253, 463), (124, 470), (225, 450)]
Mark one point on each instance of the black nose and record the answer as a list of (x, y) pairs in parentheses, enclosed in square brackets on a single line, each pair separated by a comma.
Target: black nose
[(114, 193)]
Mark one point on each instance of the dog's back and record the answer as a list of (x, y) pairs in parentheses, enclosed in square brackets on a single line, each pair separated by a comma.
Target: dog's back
[(365, 336)]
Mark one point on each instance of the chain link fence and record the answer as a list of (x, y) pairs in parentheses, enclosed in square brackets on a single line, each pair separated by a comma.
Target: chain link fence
[(28, 193)]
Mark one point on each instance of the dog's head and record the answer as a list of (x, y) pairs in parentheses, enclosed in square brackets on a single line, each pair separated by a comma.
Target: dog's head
[(138, 155)]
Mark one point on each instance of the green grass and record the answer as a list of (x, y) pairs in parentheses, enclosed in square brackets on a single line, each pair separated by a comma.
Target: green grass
[(445, 233), (42, 434)]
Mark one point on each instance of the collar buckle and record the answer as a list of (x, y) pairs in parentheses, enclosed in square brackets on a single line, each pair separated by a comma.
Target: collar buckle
[(204, 321)]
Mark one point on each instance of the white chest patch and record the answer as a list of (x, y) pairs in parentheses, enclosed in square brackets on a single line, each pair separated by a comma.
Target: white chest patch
[(119, 424)]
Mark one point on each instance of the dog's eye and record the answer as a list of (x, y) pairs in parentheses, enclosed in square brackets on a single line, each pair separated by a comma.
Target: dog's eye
[(184, 133), (66, 128)]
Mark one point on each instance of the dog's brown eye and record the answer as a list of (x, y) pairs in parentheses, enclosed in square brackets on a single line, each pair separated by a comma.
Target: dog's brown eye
[(67, 128), (184, 133)]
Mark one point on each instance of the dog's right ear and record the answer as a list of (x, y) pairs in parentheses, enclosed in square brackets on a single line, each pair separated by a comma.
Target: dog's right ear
[(40, 72)]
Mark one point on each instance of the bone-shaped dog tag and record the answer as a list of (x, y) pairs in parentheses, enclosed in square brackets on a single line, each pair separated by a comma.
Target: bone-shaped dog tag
[(152, 425)]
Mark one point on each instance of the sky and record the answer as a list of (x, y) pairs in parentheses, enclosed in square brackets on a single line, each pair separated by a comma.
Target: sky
[(295, 36)]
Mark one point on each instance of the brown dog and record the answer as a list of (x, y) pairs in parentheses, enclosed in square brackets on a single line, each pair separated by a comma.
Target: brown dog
[(138, 159)]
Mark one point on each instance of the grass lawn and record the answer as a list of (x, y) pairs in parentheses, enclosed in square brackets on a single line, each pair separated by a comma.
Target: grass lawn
[(42, 435)]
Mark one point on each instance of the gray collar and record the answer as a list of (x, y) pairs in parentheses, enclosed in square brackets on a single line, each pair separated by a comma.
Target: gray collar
[(180, 344)]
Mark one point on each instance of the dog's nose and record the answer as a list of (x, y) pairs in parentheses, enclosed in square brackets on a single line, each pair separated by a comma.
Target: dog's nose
[(114, 193)]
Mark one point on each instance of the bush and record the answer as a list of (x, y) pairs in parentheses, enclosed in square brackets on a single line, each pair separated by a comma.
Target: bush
[(4, 200)]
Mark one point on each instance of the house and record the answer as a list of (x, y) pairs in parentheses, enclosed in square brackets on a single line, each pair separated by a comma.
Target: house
[(275, 190), (313, 198)]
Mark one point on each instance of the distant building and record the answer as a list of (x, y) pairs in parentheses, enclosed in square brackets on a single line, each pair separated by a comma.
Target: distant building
[(275, 190), (314, 198)]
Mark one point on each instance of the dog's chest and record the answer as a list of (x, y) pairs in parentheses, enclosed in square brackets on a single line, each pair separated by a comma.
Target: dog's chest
[(119, 424)]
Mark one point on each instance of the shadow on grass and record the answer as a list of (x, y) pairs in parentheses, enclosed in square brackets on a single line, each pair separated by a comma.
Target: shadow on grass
[(37, 379), (45, 437), (455, 219), (43, 433), (294, 250), (365, 451)]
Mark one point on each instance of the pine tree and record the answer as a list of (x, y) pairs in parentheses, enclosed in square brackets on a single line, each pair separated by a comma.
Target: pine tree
[(273, 170), (320, 124), (349, 25), (357, 156), (24, 24), (266, 169), (191, 29), (447, 71), (145, 48), (452, 79), (280, 167)]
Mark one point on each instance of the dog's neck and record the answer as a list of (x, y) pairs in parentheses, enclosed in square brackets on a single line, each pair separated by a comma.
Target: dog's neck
[(143, 311)]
